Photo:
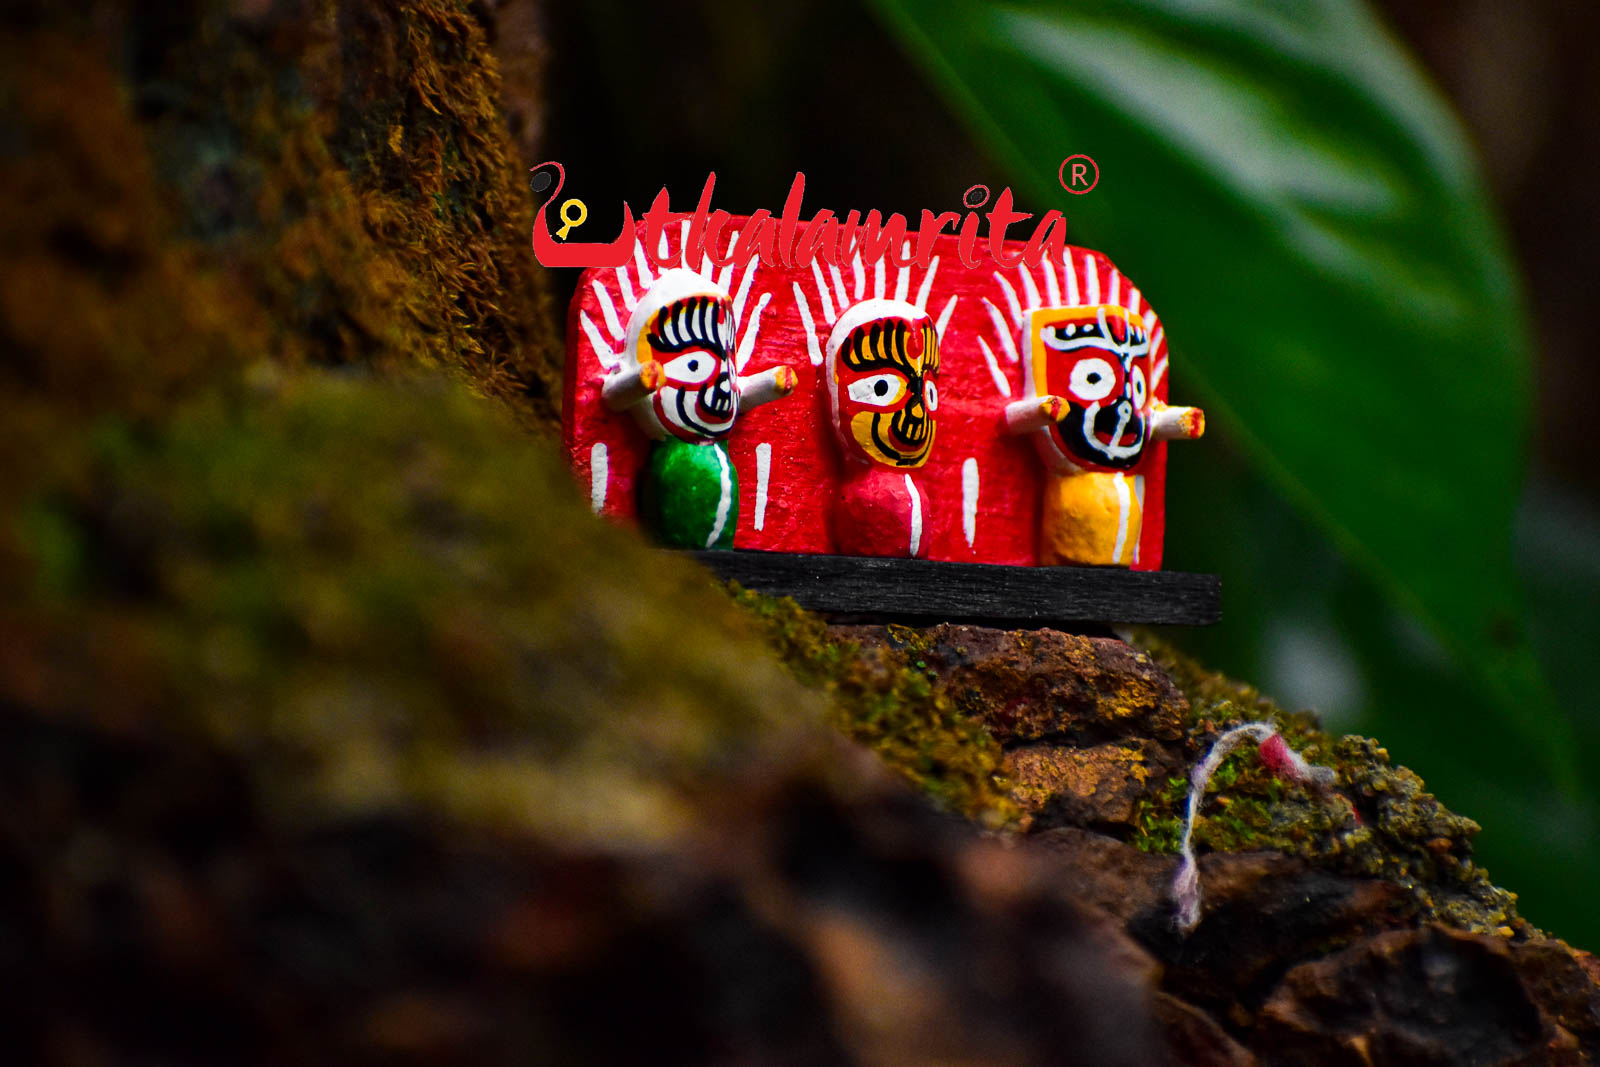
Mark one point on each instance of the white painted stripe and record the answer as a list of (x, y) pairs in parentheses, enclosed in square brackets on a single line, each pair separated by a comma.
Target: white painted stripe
[(969, 494), (1124, 504), (725, 276), (944, 316), (747, 343), (744, 292), (1138, 493), (877, 278), (602, 351), (1000, 330), (763, 471), (1116, 287), (1011, 299), (646, 279), (813, 351), (839, 287), (916, 516), (1000, 382), (822, 292), (1071, 276), (1029, 290), (607, 309), (1091, 279), (625, 287), (902, 282), (725, 501), (1160, 369), (927, 284), (1051, 289), (599, 476), (860, 274), (661, 248)]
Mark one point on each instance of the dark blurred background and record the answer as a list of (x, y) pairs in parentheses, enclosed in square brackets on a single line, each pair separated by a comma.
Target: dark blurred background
[(643, 96)]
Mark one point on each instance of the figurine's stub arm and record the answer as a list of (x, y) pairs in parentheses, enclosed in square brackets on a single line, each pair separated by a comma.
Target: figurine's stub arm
[(775, 383), (1034, 413), (628, 385), (1178, 424)]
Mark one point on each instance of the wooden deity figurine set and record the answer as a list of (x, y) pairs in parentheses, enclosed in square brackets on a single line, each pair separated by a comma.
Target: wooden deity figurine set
[(678, 375), (879, 375), (829, 410), (1089, 406)]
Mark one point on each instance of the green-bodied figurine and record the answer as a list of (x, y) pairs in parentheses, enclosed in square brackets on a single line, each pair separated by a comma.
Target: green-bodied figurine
[(688, 494), (678, 377)]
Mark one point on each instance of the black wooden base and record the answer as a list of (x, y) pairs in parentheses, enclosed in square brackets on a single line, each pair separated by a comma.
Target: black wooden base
[(971, 592)]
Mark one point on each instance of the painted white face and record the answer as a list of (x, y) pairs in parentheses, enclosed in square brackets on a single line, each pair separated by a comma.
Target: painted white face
[(685, 323)]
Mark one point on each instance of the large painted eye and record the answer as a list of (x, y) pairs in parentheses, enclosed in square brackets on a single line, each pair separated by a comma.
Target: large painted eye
[(879, 390), (930, 394), (1093, 379), (1139, 388), (692, 368)]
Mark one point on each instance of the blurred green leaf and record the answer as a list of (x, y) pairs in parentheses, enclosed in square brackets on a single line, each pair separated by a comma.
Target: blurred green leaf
[(1301, 208), (1283, 574)]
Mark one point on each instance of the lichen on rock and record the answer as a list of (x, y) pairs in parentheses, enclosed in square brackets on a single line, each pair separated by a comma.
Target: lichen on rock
[(891, 700), (1378, 821), (1089, 731)]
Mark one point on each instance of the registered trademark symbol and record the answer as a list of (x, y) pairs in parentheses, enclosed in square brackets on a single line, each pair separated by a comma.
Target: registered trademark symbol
[(1079, 174)]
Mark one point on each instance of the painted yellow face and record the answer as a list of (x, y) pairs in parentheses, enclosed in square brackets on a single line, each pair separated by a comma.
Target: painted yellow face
[(884, 391)]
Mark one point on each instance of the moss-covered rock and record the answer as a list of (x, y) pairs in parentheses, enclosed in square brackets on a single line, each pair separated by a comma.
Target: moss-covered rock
[(1378, 820), (888, 699), (385, 595)]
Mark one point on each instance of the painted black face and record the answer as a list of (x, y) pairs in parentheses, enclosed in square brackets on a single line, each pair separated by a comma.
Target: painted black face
[(1094, 358), (693, 339), (1104, 435)]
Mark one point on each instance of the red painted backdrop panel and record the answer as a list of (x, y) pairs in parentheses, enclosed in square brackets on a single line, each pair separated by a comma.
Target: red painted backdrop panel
[(805, 464)]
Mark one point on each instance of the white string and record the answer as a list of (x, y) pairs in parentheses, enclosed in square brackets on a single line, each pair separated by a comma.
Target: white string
[(1186, 885)]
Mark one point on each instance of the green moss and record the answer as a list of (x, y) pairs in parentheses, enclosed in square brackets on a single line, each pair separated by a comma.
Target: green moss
[(378, 596), (198, 189), (1378, 821), (367, 193), (889, 701)]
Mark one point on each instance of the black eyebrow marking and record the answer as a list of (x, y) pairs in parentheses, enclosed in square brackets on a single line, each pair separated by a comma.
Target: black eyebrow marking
[(690, 323)]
